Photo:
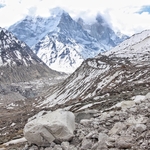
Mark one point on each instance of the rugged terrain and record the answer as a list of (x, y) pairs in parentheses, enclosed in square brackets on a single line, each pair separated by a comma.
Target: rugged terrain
[(124, 69), (23, 77), (123, 126), (92, 92)]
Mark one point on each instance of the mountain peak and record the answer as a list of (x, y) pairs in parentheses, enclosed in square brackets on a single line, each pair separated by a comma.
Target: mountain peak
[(2, 29), (57, 11), (100, 19)]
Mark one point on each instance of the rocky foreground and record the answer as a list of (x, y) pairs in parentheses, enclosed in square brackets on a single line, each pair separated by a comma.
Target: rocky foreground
[(123, 126)]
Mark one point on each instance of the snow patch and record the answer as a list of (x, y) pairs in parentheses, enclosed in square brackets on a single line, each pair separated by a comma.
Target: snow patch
[(17, 141)]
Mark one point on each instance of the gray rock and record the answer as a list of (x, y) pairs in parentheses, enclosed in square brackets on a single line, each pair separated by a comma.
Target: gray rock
[(102, 146), (94, 147), (116, 118), (110, 144), (86, 144), (117, 128), (57, 147), (123, 145), (33, 147), (58, 125), (65, 145), (140, 128), (92, 134), (124, 142), (147, 97), (102, 137), (86, 122)]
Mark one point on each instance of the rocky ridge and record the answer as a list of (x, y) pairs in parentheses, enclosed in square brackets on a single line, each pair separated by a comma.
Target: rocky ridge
[(23, 77), (18, 62)]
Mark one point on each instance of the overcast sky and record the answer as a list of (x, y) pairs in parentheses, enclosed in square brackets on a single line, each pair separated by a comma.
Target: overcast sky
[(128, 16)]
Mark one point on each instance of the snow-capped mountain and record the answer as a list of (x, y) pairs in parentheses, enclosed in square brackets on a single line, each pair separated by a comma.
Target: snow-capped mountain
[(68, 32), (116, 72), (18, 62)]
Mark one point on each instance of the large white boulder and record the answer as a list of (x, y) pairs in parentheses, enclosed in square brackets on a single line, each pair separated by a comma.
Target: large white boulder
[(58, 125)]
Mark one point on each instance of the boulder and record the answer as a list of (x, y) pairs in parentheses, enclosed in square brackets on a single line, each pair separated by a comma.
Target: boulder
[(124, 142), (53, 126)]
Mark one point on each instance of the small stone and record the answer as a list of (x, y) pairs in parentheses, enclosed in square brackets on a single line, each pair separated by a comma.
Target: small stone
[(140, 128), (117, 128), (86, 122), (92, 134), (122, 144), (94, 147), (111, 139), (95, 126), (57, 147), (116, 118), (110, 144), (107, 123), (102, 146), (133, 110), (86, 144), (33, 148), (104, 116), (65, 145), (144, 145), (102, 137), (112, 114), (110, 120)]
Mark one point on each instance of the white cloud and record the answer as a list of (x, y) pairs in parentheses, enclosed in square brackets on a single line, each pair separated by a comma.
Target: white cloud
[(121, 14)]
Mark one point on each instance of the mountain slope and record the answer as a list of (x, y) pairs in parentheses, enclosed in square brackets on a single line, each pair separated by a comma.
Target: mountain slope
[(18, 62), (136, 49), (65, 33), (106, 76)]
